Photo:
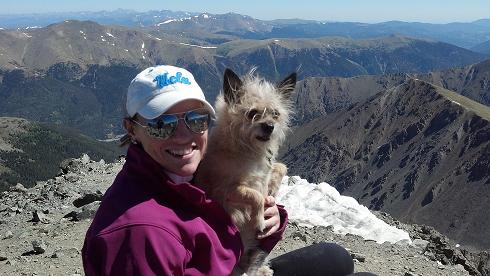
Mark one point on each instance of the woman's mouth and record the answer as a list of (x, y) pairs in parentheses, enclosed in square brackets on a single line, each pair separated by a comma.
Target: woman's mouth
[(180, 153)]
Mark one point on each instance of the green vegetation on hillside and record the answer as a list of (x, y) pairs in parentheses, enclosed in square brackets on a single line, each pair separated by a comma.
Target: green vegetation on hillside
[(43, 147)]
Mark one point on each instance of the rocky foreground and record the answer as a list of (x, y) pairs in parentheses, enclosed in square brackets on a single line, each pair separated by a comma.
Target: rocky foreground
[(42, 231)]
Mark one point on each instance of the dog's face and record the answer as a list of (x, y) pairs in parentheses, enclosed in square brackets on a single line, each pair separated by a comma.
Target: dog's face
[(255, 111)]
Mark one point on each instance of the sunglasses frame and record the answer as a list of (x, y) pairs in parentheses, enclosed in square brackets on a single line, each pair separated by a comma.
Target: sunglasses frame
[(148, 127)]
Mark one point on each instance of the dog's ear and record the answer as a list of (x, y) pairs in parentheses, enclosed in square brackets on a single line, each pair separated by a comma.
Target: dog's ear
[(286, 86), (231, 86)]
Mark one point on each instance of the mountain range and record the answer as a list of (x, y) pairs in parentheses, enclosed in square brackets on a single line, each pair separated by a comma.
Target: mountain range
[(77, 72), (400, 123), (231, 26)]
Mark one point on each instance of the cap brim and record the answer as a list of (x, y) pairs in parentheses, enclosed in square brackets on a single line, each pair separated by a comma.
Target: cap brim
[(161, 103)]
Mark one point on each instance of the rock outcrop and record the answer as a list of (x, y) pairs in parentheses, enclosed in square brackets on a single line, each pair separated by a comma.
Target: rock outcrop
[(42, 230)]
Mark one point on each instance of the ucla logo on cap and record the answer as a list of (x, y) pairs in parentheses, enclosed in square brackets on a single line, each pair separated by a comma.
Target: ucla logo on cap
[(164, 80)]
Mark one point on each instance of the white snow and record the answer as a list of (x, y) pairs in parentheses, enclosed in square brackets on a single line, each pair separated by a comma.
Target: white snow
[(455, 102), (320, 204), (204, 15), (166, 22), (110, 35), (26, 35), (172, 20), (142, 46), (199, 46), (153, 37)]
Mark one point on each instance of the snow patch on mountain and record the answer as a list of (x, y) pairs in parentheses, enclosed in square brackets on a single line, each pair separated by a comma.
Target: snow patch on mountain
[(311, 204)]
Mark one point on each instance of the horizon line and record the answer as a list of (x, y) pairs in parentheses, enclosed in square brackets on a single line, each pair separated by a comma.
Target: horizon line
[(205, 12)]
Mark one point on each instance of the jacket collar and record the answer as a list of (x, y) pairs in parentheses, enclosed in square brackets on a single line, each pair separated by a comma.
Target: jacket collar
[(155, 179)]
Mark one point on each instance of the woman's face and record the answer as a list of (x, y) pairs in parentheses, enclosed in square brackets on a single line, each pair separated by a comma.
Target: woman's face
[(180, 153)]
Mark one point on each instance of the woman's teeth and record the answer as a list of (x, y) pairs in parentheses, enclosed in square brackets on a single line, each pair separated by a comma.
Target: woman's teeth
[(180, 152)]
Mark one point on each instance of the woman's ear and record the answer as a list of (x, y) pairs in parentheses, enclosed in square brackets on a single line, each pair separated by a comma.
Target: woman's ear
[(128, 125), (130, 136)]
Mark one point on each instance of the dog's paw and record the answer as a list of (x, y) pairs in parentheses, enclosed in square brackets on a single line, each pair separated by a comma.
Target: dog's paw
[(280, 170), (265, 271)]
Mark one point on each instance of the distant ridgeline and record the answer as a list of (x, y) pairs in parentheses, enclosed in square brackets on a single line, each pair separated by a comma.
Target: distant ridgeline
[(31, 152)]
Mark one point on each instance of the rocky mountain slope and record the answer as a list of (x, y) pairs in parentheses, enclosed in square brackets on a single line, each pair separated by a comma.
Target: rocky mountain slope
[(42, 231), (77, 73), (318, 96), (343, 57), (416, 151), (471, 81), (31, 152)]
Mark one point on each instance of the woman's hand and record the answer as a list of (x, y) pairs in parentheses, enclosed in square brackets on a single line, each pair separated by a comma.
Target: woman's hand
[(271, 217)]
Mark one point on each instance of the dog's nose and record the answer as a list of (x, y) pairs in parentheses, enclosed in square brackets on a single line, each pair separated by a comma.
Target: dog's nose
[(267, 128)]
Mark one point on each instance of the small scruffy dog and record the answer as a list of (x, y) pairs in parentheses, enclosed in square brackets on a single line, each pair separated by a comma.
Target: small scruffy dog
[(239, 168)]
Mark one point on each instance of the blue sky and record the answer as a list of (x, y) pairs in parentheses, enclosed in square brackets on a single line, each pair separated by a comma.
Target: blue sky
[(434, 11)]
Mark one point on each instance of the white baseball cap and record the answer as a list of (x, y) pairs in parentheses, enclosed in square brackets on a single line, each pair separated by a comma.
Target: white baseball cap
[(156, 89)]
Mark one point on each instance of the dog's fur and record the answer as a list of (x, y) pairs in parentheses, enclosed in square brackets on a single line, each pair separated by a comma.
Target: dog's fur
[(239, 168)]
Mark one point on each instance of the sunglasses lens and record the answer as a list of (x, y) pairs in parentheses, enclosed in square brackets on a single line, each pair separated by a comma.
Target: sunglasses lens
[(163, 127), (197, 120)]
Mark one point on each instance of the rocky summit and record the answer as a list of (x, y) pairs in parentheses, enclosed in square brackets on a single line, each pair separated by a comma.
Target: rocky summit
[(42, 230)]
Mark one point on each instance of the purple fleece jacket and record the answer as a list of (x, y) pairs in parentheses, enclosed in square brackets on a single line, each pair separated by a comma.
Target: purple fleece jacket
[(147, 225)]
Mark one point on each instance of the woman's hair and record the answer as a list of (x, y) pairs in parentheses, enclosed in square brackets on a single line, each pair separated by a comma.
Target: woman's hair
[(126, 139)]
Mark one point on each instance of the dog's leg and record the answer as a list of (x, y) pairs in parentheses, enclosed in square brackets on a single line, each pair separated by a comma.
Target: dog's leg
[(265, 271), (278, 171), (258, 266), (255, 200)]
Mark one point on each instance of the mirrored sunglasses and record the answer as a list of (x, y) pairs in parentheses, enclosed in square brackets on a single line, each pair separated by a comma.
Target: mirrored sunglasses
[(164, 126)]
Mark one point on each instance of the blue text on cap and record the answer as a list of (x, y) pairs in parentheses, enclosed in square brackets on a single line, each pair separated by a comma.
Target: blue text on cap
[(163, 80)]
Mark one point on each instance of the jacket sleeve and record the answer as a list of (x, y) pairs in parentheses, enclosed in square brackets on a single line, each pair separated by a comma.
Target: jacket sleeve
[(135, 250), (267, 244)]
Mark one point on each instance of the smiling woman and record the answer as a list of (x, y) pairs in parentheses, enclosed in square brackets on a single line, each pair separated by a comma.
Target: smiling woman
[(154, 220)]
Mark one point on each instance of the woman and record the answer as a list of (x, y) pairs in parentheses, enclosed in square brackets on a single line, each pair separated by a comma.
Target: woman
[(153, 220)]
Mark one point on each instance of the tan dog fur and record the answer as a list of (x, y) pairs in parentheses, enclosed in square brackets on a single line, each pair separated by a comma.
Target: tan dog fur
[(239, 168)]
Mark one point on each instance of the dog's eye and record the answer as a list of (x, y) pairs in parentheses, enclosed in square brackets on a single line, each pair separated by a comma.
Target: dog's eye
[(275, 114), (251, 114)]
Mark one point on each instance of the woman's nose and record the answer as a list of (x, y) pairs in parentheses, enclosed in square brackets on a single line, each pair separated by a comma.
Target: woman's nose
[(182, 130)]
